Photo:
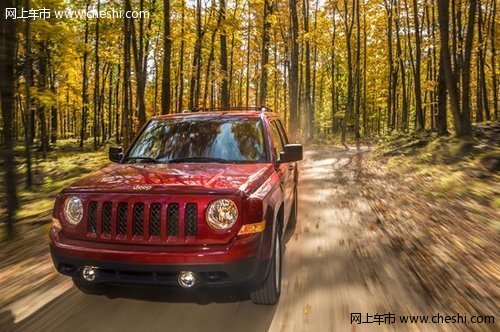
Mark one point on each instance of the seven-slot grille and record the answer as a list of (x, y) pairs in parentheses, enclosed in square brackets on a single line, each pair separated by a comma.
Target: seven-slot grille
[(145, 219)]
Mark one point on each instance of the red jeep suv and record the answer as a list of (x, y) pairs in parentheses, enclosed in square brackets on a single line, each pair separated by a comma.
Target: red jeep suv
[(199, 199)]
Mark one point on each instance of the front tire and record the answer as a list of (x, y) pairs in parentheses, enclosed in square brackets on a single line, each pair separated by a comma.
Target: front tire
[(269, 290), (89, 287)]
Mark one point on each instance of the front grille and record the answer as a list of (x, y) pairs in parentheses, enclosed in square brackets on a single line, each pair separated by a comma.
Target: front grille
[(92, 217), (173, 219), (106, 217), (122, 218), (141, 221), (155, 219), (191, 219), (138, 221)]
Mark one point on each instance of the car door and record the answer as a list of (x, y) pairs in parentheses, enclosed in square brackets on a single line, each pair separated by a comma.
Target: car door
[(286, 169)]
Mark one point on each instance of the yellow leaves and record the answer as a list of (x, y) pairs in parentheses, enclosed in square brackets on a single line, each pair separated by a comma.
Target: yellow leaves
[(429, 85), (46, 97)]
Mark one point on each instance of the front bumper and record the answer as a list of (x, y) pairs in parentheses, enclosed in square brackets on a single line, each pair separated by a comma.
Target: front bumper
[(238, 262)]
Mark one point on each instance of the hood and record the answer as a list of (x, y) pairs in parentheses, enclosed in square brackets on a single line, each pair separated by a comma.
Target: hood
[(240, 179)]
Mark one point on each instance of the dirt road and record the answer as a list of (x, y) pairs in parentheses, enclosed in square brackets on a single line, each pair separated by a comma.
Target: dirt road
[(334, 266)]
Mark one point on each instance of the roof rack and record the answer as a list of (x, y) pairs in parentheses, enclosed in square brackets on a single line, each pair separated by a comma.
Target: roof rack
[(231, 109)]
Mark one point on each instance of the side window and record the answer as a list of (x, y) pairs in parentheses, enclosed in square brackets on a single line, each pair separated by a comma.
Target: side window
[(282, 131), (278, 146)]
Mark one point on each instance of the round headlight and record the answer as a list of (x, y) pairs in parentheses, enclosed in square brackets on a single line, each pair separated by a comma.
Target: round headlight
[(222, 214), (73, 210)]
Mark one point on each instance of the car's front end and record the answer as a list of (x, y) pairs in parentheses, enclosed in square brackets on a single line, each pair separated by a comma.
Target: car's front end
[(143, 237)]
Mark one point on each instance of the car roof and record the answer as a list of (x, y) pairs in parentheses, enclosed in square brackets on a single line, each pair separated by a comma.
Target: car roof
[(217, 114)]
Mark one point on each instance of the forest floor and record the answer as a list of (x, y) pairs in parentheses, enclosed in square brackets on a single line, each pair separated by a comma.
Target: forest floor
[(410, 226), (25, 261), (437, 203)]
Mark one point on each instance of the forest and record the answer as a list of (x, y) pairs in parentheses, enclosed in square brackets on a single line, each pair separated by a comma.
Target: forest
[(332, 69)]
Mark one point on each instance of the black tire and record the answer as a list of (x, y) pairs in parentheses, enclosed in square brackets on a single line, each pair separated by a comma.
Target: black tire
[(89, 287), (292, 220), (269, 290)]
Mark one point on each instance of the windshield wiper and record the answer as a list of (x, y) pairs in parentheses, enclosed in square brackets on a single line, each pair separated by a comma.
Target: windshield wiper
[(146, 159), (199, 160)]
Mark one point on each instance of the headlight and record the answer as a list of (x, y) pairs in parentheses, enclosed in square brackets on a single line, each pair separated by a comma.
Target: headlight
[(222, 214), (73, 210)]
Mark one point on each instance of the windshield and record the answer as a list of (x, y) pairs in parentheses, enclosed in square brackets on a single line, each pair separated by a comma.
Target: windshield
[(232, 140)]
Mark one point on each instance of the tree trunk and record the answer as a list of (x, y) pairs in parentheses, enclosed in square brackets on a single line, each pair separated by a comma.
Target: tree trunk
[(334, 67), (42, 86), (466, 129), (391, 103), (399, 55), (358, 74), (307, 78), (8, 41), (85, 96), (461, 117), (349, 24), (225, 97), (365, 117), (194, 91), (110, 102), (482, 97), (181, 61), (417, 73), (167, 51), (28, 72), (53, 108), (265, 52), (96, 81), (294, 68), (211, 56), (441, 118), (249, 31), (126, 116), (493, 61)]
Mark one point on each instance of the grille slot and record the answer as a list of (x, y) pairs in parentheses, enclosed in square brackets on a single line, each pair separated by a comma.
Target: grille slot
[(92, 217), (122, 218), (190, 219), (173, 219), (107, 208), (155, 219), (138, 219)]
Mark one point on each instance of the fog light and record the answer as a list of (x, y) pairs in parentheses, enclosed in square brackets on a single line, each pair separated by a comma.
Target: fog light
[(89, 273), (186, 279)]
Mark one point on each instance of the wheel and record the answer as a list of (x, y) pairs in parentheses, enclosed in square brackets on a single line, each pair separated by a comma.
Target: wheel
[(268, 292), (292, 220), (89, 287)]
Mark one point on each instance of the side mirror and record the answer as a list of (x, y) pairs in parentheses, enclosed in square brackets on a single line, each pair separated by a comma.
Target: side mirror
[(293, 152), (115, 154)]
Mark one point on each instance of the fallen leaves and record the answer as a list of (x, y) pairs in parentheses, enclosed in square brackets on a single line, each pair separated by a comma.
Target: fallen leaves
[(307, 310)]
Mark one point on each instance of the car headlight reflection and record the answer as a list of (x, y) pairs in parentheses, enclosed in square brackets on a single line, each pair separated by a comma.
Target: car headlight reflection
[(222, 214)]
